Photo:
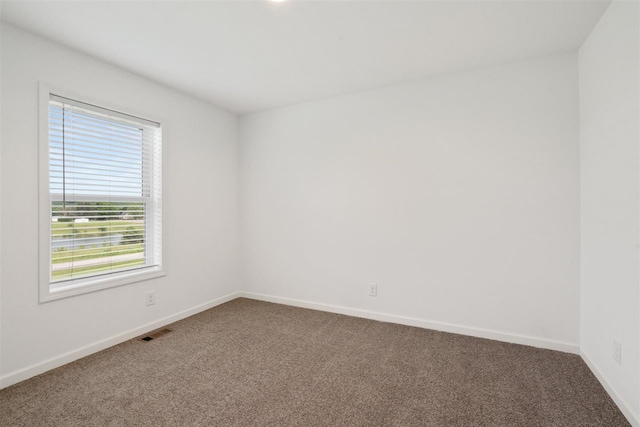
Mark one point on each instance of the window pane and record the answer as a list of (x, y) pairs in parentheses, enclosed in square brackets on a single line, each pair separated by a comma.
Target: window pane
[(90, 238), (92, 155)]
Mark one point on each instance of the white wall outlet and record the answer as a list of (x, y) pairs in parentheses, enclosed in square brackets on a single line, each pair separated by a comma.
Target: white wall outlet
[(373, 290), (150, 297), (617, 352)]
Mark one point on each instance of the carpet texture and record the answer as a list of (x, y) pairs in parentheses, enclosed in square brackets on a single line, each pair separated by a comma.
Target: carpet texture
[(250, 363)]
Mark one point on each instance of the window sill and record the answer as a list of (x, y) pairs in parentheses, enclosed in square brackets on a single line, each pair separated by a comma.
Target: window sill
[(93, 284)]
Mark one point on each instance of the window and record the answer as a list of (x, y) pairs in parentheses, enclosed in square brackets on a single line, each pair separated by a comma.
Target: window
[(102, 203)]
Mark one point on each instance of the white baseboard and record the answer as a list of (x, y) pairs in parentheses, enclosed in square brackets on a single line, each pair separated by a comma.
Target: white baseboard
[(55, 362), (632, 417), (423, 323), (39, 368)]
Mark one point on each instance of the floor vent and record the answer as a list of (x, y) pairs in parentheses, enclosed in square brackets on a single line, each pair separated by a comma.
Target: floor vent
[(155, 334)]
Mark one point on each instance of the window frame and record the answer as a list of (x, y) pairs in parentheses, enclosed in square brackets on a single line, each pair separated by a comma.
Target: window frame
[(90, 283)]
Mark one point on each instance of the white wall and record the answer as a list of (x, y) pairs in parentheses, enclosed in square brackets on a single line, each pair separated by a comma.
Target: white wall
[(457, 195), (200, 209), (610, 203)]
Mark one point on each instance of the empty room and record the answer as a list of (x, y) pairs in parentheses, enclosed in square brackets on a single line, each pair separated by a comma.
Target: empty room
[(320, 213)]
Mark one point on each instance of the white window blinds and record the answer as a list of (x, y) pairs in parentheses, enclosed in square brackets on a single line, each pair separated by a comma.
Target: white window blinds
[(105, 192)]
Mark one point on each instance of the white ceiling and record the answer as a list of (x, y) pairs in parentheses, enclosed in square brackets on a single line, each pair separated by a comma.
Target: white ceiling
[(250, 56)]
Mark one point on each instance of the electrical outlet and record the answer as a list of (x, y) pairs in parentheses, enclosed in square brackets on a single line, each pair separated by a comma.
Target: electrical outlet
[(373, 290), (617, 352), (151, 297)]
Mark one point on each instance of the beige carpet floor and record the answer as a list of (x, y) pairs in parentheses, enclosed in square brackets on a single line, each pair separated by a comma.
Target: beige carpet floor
[(249, 363)]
